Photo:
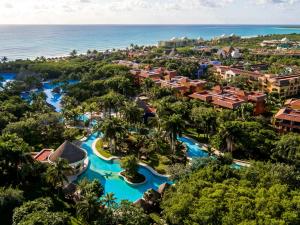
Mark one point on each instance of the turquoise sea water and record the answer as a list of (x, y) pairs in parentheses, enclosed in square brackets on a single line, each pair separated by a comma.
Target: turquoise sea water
[(30, 41)]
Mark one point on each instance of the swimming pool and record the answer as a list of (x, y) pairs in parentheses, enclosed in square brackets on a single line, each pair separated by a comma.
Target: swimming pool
[(7, 77), (107, 173), (193, 149), (52, 98)]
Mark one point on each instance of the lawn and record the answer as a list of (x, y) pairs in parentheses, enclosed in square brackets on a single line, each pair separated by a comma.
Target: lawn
[(99, 148), (158, 162), (191, 132)]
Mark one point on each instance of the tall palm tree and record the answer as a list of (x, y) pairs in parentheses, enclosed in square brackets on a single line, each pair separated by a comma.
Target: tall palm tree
[(173, 125), (109, 200), (132, 113), (229, 136), (112, 128), (56, 173), (88, 207), (111, 101), (4, 59), (73, 53)]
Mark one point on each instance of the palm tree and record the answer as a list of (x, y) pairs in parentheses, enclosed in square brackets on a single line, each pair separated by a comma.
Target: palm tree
[(73, 53), (173, 125), (229, 136), (109, 200), (88, 207), (112, 129), (56, 174), (111, 101), (4, 59), (132, 113)]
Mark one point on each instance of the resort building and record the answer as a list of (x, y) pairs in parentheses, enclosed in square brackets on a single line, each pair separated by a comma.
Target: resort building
[(127, 63), (180, 42), (229, 52), (229, 73), (182, 84), (284, 85), (232, 98), (149, 110), (74, 155), (284, 43), (43, 155), (288, 118), (152, 73)]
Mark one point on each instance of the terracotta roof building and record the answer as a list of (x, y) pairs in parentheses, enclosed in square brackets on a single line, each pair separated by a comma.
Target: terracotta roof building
[(288, 118), (232, 98), (182, 84), (284, 85)]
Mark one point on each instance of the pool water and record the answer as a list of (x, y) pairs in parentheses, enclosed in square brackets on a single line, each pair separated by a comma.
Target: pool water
[(7, 77), (193, 150), (53, 98), (107, 173)]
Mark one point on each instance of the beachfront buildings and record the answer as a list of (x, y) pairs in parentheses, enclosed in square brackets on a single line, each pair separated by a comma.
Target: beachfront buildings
[(180, 42), (229, 52), (288, 118), (232, 98)]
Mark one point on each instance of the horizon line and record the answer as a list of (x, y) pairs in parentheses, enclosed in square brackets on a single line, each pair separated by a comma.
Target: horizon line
[(151, 24)]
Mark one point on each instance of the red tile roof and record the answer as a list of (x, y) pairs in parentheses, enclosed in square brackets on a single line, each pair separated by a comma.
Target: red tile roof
[(43, 155), (288, 114)]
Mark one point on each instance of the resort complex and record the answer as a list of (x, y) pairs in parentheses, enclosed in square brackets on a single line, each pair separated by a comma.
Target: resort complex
[(190, 131)]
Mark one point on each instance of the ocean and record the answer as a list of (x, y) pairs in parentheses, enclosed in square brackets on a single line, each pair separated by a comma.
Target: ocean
[(31, 41)]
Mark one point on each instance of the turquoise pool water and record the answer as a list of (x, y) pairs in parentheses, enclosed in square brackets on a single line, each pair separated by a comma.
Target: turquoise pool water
[(107, 174), (53, 99), (193, 150), (7, 77)]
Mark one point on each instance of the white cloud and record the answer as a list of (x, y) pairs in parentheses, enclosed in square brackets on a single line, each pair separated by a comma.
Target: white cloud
[(288, 2), (149, 11), (8, 5)]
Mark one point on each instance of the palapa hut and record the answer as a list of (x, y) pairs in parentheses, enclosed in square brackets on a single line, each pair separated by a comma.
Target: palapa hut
[(73, 154)]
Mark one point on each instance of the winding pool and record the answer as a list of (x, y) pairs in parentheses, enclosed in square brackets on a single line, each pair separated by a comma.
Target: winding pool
[(107, 173), (193, 149), (52, 98)]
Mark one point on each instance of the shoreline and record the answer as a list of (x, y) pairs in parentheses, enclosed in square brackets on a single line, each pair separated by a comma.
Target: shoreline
[(99, 47)]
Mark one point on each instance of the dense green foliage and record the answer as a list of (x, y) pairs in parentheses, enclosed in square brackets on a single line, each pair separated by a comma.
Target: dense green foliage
[(216, 194)]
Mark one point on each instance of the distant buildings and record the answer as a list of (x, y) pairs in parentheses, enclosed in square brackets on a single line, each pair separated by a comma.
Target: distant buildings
[(232, 98), (280, 44), (229, 52), (285, 85), (180, 42), (288, 118)]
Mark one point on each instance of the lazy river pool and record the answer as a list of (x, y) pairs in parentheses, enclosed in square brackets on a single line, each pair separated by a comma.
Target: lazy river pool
[(53, 99), (107, 172)]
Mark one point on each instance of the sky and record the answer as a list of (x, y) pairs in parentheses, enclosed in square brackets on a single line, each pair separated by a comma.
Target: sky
[(149, 12)]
